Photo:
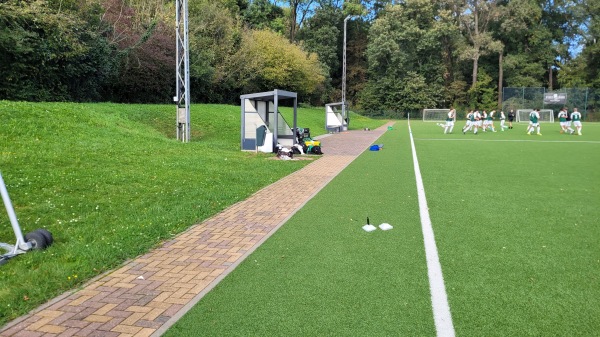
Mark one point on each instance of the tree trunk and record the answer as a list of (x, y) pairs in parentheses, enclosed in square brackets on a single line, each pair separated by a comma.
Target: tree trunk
[(475, 65), (293, 17), (476, 45)]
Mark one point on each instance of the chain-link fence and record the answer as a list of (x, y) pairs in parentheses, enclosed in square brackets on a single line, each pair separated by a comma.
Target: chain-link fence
[(586, 100)]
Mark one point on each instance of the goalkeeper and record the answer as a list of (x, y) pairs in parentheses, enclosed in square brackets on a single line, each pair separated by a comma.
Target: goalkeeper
[(511, 118)]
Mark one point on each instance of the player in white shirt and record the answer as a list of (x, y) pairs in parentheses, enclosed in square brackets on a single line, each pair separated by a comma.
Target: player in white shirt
[(484, 121), (564, 124), (534, 117), (490, 120), (502, 121), (477, 123), (469, 125), (450, 121), (576, 119)]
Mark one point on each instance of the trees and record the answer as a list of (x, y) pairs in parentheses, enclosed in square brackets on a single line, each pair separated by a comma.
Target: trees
[(584, 70), (405, 56), (124, 50), (280, 64), (476, 18), (299, 10), (144, 57), (261, 14), (215, 37), (48, 55)]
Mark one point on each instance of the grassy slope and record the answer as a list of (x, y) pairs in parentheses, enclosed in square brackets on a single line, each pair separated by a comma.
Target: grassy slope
[(321, 274), (110, 182)]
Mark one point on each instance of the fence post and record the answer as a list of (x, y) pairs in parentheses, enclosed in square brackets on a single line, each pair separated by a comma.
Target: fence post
[(585, 102)]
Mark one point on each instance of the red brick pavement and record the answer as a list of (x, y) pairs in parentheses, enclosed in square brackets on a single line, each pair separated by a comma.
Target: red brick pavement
[(147, 295)]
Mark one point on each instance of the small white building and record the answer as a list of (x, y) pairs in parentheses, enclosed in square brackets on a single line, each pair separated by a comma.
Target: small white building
[(261, 110)]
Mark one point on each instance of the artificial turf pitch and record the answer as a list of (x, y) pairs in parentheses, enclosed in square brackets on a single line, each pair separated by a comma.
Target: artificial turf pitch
[(516, 224)]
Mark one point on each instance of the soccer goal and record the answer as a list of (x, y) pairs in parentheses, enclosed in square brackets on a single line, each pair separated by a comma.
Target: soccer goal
[(435, 115), (546, 115)]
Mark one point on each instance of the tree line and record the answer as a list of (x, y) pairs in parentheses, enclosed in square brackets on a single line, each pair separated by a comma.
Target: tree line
[(402, 55)]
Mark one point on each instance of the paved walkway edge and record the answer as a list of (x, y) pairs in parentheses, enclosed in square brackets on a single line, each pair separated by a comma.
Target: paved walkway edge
[(213, 284)]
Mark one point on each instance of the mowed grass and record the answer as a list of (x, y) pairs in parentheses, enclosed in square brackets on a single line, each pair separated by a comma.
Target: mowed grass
[(516, 224), (111, 182)]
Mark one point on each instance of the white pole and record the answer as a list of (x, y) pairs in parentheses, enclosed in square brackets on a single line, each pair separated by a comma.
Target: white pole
[(11, 214), (344, 69)]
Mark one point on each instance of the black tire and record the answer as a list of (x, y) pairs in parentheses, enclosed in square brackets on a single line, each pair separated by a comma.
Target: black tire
[(47, 235), (37, 240)]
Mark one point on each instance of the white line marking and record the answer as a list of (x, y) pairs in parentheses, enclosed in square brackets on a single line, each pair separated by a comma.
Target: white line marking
[(514, 140), (439, 298)]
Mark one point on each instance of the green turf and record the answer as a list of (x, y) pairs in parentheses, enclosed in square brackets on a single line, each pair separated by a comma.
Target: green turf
[(515, 219), (111, 182), (516, 224)]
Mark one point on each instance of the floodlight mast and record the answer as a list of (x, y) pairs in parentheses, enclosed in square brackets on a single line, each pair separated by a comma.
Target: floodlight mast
[(344, 66), (182, 85)]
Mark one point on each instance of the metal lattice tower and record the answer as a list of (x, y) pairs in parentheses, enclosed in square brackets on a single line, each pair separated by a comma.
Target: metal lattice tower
[(182, 85)]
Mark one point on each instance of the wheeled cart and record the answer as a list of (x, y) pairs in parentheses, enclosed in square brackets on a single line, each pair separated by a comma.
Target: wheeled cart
[(38, 239)]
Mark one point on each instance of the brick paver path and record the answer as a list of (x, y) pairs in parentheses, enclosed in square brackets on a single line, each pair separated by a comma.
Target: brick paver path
[(147, 295)]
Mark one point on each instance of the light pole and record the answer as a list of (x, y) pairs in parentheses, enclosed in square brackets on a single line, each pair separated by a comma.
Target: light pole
[(344, 67)]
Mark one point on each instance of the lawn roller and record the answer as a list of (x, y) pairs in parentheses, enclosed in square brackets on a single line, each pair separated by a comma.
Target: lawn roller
[(38, 239)]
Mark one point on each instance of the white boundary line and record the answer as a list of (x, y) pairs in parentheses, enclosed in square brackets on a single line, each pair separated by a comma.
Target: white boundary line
[(439, 298), (513, 140)]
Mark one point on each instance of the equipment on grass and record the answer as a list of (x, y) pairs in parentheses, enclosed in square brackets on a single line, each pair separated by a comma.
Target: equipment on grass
[(38, 239), (368, 227), (385, 226), (436, 115), (546, 115), (309, 145)]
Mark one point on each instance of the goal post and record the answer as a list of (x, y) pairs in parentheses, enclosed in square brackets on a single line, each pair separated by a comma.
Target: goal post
[(546, 115), (435, 115)]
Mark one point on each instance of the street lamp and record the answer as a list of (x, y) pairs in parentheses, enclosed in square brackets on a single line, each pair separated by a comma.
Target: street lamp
[(344, 66)]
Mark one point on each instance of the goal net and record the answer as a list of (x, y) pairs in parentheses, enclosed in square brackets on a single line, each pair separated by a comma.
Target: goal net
[(546, 115), (435, 115)]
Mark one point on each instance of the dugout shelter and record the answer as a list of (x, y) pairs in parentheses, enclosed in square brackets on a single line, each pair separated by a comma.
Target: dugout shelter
[(260, 113), (336, 119)]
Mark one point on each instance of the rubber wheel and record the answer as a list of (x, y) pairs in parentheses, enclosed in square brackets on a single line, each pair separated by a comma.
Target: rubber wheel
[(37, 240), (47, 235)]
